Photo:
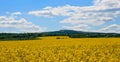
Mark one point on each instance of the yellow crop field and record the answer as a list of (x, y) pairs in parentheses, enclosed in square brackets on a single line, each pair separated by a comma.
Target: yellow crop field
[(64, 49)]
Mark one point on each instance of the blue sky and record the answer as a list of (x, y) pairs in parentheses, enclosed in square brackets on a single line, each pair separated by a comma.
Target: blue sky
[(28, 5), (52, 15)]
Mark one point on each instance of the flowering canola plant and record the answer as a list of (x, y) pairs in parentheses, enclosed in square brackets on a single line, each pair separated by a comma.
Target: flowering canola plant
[(50, 49)]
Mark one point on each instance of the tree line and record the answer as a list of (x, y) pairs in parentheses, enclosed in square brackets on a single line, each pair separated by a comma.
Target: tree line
[(84, 35), (71, 34), (17, 36)]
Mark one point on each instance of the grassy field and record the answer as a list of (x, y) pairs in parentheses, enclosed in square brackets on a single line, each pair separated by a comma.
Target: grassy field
[(61, 49)]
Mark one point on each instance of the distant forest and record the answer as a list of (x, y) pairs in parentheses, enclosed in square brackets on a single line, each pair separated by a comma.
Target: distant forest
[(70, 33)]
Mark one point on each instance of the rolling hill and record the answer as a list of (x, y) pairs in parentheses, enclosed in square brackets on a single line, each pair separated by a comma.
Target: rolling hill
[(79, 34), (70, 33)]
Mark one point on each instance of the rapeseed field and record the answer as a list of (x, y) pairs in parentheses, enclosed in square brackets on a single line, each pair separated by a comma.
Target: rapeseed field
[(64, 49)]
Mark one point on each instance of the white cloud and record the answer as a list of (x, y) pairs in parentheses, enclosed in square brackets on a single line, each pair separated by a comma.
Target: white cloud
[(98, 14), (96, 2), (19, 25), (108, 3), (77, 27), (56, 11), (114, 28), (16, 13)]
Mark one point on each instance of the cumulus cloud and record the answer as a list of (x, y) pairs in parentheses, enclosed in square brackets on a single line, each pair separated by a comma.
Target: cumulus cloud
[(16, 13), (98, 14), (108, 3), (114, 28), (20, 25), (66, 10), (77, 27)]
